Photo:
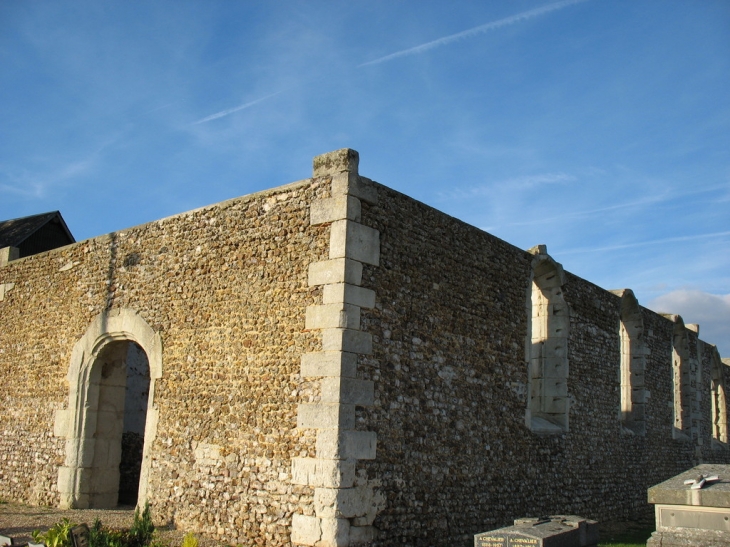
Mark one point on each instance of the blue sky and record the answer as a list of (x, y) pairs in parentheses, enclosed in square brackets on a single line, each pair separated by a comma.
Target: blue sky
[(600, 128)]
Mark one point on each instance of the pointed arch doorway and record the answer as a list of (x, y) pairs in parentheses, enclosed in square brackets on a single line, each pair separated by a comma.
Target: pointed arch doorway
[(111, 418)]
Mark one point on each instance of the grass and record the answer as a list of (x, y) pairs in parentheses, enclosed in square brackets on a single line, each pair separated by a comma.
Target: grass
[(628, 538)]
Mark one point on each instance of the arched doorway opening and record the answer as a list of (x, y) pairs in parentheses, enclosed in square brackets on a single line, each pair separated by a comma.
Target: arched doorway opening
[(120, 376), (111, 419)]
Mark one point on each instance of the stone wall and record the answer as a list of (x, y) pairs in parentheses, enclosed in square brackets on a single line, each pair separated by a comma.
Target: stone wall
[(455, 454), (334, 363), (226, 289)]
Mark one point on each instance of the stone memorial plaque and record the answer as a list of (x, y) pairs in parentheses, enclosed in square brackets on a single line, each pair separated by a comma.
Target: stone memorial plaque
[(504, 540)]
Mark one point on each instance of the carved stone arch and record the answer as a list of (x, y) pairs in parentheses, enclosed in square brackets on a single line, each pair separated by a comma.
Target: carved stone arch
[(78, 422), (546, 347), (634, 396), (681, 380), (719, 400)]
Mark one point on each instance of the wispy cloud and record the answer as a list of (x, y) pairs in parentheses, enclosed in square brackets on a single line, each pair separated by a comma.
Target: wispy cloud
[(711, 311), (473, 31), (516, 183), (35, 186), (644, 243), (650, 200), (37, 183), (230, 111)]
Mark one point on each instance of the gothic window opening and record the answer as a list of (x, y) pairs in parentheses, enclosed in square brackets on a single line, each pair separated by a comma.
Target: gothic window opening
[(719, 401), (681, 381), (547, 347), (634, 396)]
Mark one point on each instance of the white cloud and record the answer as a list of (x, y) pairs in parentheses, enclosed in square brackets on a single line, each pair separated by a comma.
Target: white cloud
[(710, 311)]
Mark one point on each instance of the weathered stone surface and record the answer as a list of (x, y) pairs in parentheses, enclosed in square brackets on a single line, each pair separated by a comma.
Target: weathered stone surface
[(306, 530), (226, 289), (334, 444), (332, 316), (349, 239), (323, 473), (557, 530), (353, 185), (338, 161), (348, 340), (674, 492), (349, 294), (329, 363), (347, 391), (326, 416), (438, 361), (338, 270), (335, 208), (8, 254)]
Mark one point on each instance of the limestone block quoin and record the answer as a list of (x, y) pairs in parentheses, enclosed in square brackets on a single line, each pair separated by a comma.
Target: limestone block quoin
[(343, 513)]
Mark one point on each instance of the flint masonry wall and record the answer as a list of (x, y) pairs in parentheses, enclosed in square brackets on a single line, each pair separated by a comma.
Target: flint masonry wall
[(335, 363), (455, 456), (226, 289)]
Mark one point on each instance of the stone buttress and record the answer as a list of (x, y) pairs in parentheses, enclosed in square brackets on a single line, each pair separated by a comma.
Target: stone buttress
[(344, 504)]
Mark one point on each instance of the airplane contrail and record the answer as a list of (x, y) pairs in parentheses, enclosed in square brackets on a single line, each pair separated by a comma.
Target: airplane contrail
[(643, 243), (474, 31), (223, 113)]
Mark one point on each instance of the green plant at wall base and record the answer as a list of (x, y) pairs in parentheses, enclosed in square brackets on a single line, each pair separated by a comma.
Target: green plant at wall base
[(189, 540), (59, 535), (101, 537), (140, 534), (633, 538)]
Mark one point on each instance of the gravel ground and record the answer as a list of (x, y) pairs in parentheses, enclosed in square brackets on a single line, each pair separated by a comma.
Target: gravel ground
[(18, 522)]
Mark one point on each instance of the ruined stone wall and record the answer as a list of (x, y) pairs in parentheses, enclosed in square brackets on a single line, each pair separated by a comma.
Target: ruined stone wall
[(334, 356), (226, 289), (454, 453)]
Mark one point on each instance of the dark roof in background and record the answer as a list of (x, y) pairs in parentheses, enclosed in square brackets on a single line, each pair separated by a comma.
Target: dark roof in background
[(14, 232)]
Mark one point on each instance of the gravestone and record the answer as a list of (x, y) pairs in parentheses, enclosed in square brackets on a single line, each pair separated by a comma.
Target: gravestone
[(553, 531), (693, 508), (80, 535)]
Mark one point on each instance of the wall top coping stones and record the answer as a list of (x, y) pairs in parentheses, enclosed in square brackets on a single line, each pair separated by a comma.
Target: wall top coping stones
[(338, 161), (674, 492), (218, 205), (540, 249)]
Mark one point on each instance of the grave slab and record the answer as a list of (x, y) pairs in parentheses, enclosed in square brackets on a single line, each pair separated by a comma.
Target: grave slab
[(692, 508), (552, 531)]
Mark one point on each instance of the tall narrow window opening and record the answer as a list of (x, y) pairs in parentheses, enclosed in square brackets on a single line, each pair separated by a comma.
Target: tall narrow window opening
[(547, 346), (719, 402), (634, 396), (681, 380)]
